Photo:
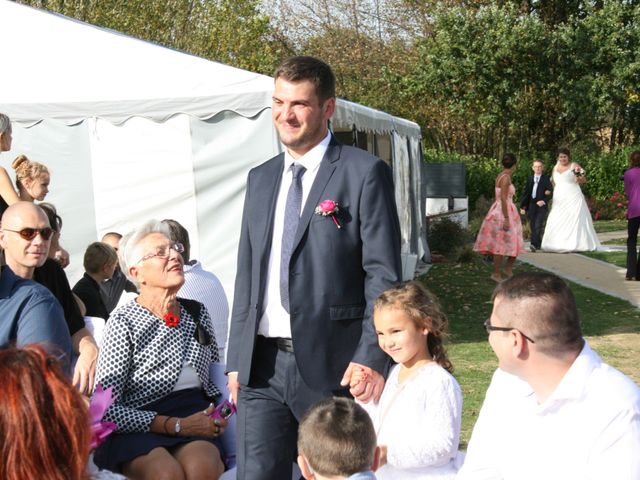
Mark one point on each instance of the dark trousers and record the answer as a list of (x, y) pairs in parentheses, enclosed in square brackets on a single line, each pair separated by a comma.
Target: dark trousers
[(269, 409), (536, 216), (633, 261)]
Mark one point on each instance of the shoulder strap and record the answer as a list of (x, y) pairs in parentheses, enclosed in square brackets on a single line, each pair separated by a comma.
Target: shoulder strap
[(192, 307)]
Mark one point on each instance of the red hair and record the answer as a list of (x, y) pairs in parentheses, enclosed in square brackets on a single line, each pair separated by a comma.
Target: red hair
[(44, 423)]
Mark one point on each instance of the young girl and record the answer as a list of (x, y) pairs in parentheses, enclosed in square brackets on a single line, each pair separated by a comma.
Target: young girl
[(417, 420), (32, 179)]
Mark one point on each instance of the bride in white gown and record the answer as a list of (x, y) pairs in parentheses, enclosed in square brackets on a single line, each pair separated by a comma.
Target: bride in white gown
[(569, 226)]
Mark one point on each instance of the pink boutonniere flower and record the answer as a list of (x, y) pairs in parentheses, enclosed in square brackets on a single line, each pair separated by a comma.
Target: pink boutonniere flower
[(100, 402), (171, 319), (328, 208)]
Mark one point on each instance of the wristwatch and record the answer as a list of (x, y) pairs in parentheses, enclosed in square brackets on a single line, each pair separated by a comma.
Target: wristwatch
[(177, 427)]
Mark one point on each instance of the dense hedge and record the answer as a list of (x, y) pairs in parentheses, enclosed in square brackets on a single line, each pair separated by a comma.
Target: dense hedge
[(604, 171)]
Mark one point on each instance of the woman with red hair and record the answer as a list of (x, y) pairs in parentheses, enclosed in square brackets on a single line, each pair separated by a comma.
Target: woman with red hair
[(44, 424)]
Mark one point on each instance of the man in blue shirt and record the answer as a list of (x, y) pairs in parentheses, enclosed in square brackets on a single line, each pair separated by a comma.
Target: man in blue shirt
[(29, 313)]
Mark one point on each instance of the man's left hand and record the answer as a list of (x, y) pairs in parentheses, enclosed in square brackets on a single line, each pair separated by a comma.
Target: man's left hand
[(367, 389)]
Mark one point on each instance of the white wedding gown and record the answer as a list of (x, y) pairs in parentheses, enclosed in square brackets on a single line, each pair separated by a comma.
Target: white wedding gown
[(569, 226)]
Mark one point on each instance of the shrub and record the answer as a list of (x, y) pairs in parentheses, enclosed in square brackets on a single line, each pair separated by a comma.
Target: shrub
[(465, 254), (445, 236), (612, 208)]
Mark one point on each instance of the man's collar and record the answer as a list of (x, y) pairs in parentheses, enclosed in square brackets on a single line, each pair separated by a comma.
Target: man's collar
[(574, 381), (312, 158)]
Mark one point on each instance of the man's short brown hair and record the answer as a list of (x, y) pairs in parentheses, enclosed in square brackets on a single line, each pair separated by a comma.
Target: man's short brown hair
[(297, 69), (337, 438), (97, 256), (543, 306)]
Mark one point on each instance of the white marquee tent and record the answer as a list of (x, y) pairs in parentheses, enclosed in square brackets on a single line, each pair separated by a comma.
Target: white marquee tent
[(132, 131)]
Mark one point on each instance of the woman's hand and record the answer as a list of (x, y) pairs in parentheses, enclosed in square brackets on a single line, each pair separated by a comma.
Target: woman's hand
[(62, 257), (201, 424), (505, 224)]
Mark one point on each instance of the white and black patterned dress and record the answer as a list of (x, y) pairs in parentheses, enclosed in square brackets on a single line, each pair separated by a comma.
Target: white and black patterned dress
[(141, 359)]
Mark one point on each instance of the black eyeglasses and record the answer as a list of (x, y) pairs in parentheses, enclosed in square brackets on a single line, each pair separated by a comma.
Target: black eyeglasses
[(490, 328), (30, 233)]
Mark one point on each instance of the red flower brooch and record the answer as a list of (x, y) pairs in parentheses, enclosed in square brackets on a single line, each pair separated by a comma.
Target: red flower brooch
[(328, 208), (171, 319)]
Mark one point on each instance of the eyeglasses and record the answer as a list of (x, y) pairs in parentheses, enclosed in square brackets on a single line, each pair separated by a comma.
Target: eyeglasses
[(30, 233), (490, 328), (163, 251)]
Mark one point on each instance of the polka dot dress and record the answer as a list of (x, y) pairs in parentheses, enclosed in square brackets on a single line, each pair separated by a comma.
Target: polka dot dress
[(141, 358)]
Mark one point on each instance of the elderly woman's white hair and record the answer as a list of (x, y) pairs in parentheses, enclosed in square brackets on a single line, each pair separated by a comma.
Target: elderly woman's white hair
[(128, 244), (5, 123)]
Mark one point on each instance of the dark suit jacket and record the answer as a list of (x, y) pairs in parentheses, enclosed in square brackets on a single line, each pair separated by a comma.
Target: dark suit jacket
[(544, 184), (335, 274)]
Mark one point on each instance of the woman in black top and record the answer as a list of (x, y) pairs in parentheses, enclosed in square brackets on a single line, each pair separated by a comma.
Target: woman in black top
[(8, 195)]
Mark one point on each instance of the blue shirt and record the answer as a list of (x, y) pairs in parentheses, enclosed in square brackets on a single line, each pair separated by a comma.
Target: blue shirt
[(362, 476), (29, 313)]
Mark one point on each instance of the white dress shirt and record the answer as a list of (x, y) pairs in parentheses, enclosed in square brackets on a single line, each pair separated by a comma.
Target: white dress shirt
[(588, 428), (204, 286), (536, 182), (275, 321)]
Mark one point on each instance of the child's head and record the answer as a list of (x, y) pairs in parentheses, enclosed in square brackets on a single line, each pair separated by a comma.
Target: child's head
[(31, 177), (422, 308), (100, 259), (336, 439)]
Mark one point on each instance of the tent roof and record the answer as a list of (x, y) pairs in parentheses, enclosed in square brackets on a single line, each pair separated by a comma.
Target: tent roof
[(67, 70)]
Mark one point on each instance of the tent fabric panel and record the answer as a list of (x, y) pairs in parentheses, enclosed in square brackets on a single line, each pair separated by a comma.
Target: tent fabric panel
[(225, 148), (142, 170), (401, 181), (367, 119), (247, 104), (71, 189)]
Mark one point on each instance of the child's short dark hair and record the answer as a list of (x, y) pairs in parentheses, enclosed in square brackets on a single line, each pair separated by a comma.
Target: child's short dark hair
[(337, 438), (97, 255)]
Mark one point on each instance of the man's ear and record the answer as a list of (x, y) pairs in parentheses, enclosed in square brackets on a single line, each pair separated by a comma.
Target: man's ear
[(3, 242), (376, 459), (305, 468)]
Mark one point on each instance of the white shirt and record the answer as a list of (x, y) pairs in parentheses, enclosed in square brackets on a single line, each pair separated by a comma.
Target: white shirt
[(205, 287), (536, 181), (419, 422), (275, 321), (588, 428)]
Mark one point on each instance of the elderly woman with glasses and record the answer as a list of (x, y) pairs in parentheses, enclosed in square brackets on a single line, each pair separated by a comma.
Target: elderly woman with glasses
[(155, 355)]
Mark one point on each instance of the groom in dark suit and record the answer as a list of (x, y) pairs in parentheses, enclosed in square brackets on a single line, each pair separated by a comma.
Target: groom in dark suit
[(320, 240), (535, 202)]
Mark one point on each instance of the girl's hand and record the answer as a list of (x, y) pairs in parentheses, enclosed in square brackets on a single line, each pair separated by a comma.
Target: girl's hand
[(358, 375), (505, 225)]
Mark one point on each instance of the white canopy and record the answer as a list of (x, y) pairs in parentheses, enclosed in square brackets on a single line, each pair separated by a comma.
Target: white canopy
[(132, 131)]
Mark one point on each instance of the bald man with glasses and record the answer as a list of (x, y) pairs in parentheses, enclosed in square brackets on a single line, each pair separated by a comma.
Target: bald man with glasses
[(553, 410), (28, 311)]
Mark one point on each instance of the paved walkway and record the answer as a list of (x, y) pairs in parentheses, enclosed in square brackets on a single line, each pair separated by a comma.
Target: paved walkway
[(589, 272)]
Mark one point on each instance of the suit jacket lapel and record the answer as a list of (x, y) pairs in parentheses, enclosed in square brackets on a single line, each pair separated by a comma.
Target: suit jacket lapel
[(325, 171), (266, 197)]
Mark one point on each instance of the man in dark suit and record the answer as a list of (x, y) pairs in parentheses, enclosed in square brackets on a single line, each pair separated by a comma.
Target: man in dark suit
[(308, 273), (535, 202)]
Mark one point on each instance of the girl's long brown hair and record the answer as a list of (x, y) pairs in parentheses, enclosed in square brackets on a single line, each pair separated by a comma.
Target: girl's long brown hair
[(44, 423), (424, 309)]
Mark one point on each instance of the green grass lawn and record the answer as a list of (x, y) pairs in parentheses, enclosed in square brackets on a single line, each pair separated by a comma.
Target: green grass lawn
[(612, 325), (617, 258), (610, 225)]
